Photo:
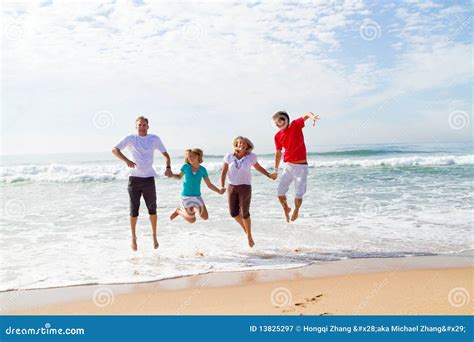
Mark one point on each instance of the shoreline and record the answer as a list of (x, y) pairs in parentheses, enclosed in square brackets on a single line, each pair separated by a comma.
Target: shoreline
[(232, 290), (461, 254)]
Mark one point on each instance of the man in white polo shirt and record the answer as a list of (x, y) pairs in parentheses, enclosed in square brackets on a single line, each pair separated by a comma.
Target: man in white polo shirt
[(142, 178)]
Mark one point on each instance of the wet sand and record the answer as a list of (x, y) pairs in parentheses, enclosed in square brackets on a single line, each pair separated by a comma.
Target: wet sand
[(428, 285)]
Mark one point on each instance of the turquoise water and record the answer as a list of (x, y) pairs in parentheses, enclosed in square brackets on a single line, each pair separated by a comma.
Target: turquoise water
[(64, 217)]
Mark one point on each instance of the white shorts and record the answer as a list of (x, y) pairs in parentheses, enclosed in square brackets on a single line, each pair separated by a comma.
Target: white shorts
[(192, 201), (294, 172)]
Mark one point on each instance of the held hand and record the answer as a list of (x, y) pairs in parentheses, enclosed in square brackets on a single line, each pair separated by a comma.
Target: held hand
[(221, 191), (168, 173), (130, 164), (274, 175)]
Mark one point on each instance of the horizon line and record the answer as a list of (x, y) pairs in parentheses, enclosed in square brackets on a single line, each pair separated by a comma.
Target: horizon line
[(176, 149)]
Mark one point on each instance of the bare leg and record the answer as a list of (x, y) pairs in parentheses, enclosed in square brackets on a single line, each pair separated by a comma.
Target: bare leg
[(191, 218), (285, 206), (174, 214), (153, 221), (248, 228), (298, 203), (241, 222), (202, 212), (133, 226)]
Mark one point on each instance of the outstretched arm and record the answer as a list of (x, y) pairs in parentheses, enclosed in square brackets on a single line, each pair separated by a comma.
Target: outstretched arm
[(225, 168), (262, 170), (310, 115), (177, 175), (277, 163), (213, 187), (167, 157), (116, 152)]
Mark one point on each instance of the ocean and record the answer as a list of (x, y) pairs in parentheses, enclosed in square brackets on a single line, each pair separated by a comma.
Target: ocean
[(65, 217)]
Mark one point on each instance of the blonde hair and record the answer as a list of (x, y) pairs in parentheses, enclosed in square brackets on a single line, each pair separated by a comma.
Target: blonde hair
[(197, 151), (250, 145)]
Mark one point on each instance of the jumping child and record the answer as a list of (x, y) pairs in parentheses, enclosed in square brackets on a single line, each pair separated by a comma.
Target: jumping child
[(193, 173)]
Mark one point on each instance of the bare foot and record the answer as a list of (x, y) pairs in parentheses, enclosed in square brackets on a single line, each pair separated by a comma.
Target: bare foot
[(251, 242), (174, 214), (134, 244), (287, 213), (155, 243), (295, 215)]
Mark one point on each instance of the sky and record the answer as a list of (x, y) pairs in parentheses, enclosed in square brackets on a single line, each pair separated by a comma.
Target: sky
[(76, 74)]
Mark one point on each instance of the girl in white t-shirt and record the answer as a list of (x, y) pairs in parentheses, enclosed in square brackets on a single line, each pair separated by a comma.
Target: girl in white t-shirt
[(238, 166)]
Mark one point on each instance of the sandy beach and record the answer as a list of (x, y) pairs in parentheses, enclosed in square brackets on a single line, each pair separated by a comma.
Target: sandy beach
[(429, 285)]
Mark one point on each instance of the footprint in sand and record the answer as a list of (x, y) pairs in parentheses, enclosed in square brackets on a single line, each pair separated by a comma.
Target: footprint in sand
[(304, 304), (308, 300)]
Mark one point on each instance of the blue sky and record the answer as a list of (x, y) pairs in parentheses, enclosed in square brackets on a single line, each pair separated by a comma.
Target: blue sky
[(76, 74)]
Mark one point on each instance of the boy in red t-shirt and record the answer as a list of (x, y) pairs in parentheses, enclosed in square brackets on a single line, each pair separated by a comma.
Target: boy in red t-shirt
[(291, 139)]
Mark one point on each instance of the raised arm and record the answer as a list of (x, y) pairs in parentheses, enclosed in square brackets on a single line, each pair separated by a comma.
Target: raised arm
[(116, 152), (213, 187), (225, 168), (262, 170), (167, 157), (310, 115)]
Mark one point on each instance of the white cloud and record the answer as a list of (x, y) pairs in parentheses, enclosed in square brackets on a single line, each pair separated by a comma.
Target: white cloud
[(229, 65)]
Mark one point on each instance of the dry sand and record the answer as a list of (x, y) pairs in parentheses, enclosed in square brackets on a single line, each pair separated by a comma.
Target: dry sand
[(403, 286)]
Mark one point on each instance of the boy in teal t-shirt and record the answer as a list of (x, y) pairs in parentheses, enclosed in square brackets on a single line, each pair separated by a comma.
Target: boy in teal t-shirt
[(191, 198)]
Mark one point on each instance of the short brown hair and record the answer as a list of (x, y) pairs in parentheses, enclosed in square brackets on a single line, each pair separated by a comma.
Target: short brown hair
[(197, 151), (281, 114), (140, 118)]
